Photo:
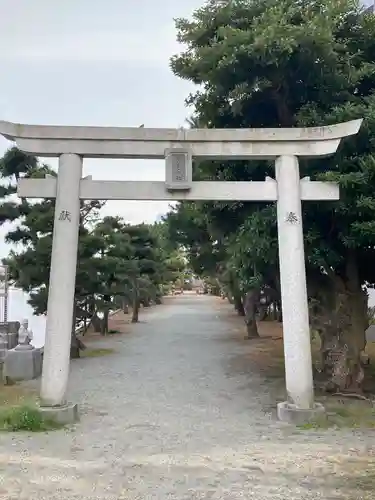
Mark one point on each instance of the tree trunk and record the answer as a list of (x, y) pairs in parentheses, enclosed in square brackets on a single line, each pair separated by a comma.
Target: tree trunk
[(340, 318), (238, 304), (280, 97), (262, 312), (104, 328), (342, 345), (250, 307), (85, 318), (75, 344), (125, 307), (279, 312), (236, 295), (136, 306), (276, 298), (74, 348), (274, 312), (354, 335), (96, 323), (135, 315)]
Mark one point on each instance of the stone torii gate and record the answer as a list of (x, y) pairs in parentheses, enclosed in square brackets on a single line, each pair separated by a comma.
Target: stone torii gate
[(178, 147)]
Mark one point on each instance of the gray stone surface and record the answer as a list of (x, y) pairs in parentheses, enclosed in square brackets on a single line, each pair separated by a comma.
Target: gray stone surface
[(23, 363), (178, 412), (64, 415), (140, 142), (8, 336), (297, 416), (10, 339), (9, 326), (3, 348)]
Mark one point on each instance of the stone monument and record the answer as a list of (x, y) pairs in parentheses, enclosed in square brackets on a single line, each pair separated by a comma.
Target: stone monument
[(24, 362), (25, 335)]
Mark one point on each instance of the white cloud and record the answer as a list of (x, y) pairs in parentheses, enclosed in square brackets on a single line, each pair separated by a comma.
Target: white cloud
[(100, 46), (137, 31), (136, 212)]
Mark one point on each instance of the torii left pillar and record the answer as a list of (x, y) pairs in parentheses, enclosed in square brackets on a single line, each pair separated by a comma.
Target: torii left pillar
[(61, 292)]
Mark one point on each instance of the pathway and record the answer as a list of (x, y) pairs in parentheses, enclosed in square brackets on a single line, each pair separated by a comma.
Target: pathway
[(168, 416)]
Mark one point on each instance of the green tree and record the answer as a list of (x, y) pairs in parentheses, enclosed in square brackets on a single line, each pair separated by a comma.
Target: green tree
[(268, 63), (143, 267), (129, 265), (172, 264)]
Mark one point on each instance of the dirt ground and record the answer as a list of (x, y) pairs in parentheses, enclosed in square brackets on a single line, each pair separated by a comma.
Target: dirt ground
[(182, 407)]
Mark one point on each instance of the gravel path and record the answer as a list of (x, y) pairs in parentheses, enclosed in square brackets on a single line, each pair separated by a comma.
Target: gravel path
[(168, 417)]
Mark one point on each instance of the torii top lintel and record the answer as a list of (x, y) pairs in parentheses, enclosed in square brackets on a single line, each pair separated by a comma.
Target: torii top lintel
[(128, 142)]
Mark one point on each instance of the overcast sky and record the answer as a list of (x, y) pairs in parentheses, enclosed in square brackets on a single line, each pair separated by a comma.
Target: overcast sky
[(86, 62), (81, 62)]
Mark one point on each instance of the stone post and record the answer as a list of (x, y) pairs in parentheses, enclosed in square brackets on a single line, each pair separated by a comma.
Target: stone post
[(297, 343), (62, 284)]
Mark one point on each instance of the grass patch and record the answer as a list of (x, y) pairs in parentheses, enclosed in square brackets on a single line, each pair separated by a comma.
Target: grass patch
[(15, 395), (19, 411), (96, 353), (344, 414), (365, 482), (25, 418)]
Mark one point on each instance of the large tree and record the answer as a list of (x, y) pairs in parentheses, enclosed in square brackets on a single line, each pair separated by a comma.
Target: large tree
[(171, 267), (282, 63), (130, 264)]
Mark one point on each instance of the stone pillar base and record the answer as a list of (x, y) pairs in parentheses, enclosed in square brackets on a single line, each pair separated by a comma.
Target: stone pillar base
[(24, 362), (64, 415), (287, 412)]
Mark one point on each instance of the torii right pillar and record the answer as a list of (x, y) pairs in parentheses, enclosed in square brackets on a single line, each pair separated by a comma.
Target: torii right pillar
[(300, 406)]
